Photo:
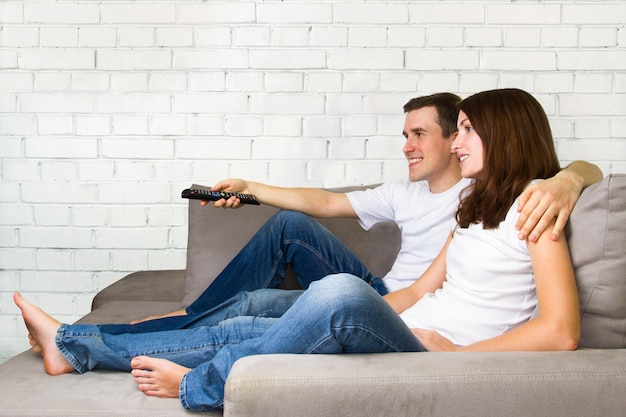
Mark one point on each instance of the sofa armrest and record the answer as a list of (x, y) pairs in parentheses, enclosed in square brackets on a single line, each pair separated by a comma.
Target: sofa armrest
[(166, 285), (579, 383), (138, 295)]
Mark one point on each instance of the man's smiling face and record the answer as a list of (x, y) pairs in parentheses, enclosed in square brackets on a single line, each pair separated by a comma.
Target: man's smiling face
[(426, 149)]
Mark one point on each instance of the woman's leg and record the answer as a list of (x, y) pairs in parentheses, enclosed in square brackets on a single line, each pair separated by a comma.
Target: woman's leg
[(288, 238), (340, 314)]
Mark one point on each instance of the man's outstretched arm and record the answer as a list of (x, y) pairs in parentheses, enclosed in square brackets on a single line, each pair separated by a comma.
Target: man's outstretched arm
[(312, 201)]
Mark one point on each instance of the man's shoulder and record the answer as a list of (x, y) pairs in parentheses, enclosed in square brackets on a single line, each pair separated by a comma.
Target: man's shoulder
[(406, 185)]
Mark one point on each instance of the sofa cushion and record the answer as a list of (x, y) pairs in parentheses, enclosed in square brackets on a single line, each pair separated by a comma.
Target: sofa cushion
[(217, 235), (582, 383), (27, 391), (596, 235)]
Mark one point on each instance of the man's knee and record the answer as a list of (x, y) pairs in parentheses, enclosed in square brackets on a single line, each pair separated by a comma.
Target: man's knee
[(290, 217)]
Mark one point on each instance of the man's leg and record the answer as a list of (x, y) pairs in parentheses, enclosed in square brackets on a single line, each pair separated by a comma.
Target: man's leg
[(288, 238), (42, 330), (86, 348), (260, 303)]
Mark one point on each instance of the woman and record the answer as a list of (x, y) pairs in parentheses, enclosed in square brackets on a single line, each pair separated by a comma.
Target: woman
[(480, 293)]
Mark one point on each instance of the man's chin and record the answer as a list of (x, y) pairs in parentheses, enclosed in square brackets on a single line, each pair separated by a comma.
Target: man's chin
[(415, 177)]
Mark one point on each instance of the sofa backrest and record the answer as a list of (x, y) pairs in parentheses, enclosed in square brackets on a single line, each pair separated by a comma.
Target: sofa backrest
[(217, 235), (596, 234)]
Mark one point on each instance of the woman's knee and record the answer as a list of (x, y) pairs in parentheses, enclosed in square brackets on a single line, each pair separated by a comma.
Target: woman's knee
[(342, 290)]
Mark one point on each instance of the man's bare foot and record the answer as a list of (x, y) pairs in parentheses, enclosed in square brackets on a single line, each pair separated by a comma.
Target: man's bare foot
[(157, 377), (160, 316), (34, 344), (43, 329)]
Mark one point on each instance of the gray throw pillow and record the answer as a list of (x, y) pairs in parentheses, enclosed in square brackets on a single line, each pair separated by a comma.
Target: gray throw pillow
[(596, 234)]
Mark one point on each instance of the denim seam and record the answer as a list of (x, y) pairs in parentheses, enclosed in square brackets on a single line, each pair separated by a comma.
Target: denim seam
[(272, 273), (332, 335), (319, 255), (182, 393), (158, 353), (65, 352)]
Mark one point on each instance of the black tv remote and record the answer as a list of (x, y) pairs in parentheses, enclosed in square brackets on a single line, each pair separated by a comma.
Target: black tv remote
[(207, 195)]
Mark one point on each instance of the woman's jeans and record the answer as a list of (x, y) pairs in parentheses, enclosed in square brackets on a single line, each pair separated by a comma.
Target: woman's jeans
[(287, 239), (339, 314)]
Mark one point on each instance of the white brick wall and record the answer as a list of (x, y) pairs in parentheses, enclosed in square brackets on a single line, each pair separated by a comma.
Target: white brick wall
[(108, 110)]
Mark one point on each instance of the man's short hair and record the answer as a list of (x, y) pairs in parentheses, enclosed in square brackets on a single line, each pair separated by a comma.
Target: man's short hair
[(447, 106)]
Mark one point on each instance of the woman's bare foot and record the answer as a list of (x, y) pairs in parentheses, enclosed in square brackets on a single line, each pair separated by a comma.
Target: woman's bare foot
[(43, 329), (160, 316), (157, 377)]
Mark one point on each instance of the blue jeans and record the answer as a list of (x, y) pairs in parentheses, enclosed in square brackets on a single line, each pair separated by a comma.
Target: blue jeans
[(287, 239), (339, 314), (267, 302)]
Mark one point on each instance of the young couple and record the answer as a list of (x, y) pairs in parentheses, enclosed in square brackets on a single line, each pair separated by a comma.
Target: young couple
[(479, 292)]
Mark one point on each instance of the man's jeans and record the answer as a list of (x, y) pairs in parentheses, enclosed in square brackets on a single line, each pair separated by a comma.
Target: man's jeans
[(266, 302), (339, 314), (287, 239)]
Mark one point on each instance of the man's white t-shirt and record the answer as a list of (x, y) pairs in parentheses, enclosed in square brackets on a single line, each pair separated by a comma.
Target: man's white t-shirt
[(425, 221), (489, 287)]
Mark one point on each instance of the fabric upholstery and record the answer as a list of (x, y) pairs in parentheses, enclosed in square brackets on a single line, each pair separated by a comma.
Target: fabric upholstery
[(27, 391), (469, 384), (596, 235)]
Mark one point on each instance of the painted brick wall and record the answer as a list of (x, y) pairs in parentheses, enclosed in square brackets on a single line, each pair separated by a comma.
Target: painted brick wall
[(109, 109)]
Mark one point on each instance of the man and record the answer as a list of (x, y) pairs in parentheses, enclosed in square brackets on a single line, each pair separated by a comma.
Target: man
[(423, 206)]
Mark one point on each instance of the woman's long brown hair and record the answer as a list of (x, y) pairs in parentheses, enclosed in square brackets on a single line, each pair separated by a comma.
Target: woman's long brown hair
[(518, 147)]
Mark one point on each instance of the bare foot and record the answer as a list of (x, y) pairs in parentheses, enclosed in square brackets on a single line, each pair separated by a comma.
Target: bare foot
[(34, 344), (157, 377), (43, 329), (160, 316)]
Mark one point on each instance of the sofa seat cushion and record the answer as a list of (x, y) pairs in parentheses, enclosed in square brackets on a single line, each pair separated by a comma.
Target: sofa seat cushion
[(433, 384), (32, 393), (596, 234)]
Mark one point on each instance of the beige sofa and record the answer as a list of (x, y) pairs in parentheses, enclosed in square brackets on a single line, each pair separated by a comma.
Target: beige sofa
[(588, 382)]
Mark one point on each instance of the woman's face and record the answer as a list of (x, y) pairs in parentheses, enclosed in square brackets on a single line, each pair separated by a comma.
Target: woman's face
[(468, 147)]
